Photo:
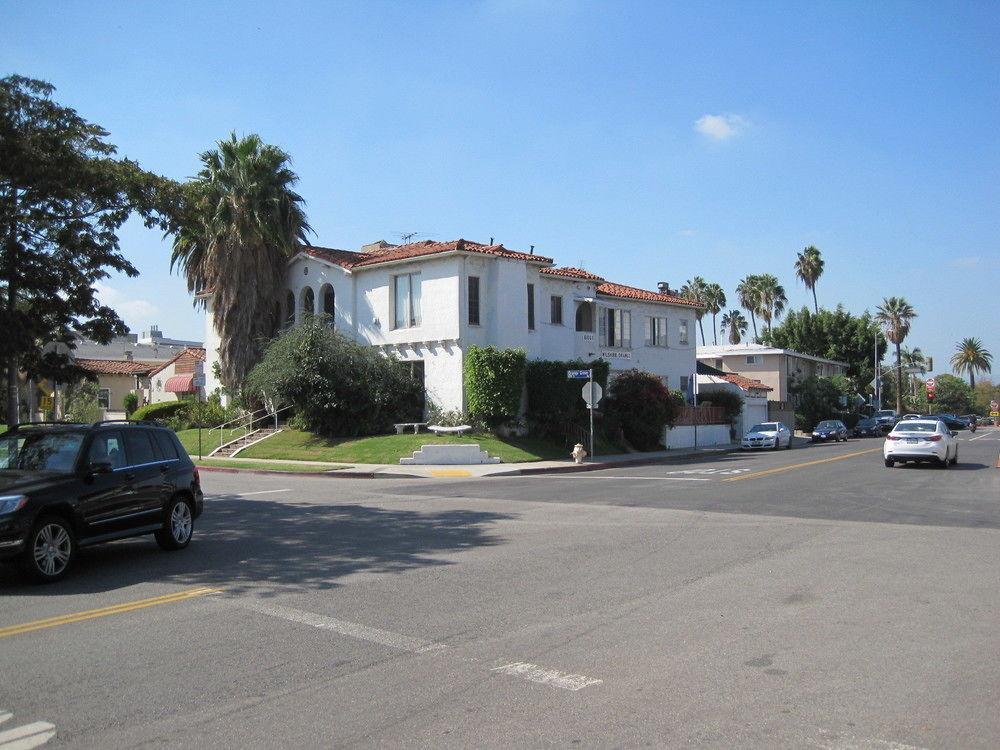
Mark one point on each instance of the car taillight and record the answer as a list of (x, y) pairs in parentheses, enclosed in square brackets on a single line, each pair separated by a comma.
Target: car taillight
[(892, 437), (934, 438), (197, 476)]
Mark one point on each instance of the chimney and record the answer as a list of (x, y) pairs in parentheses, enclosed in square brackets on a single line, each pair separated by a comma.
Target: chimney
[(532, 251), (491, 241), (663, 287), (128, 355)]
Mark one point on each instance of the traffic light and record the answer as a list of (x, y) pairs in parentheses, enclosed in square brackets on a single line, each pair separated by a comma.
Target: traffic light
[(930, 364), (930, 396)]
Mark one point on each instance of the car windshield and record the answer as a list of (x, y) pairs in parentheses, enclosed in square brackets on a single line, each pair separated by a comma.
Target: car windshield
[(884, 413), (827, 425), (917, 427), (767, 427), (866, 423), (41, 451)]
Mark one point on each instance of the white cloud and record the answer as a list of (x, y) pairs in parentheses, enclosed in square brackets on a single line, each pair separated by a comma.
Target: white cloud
[(721, 127), (135, 312)]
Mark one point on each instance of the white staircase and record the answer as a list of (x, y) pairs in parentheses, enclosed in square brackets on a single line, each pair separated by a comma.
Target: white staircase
[(450, 455)]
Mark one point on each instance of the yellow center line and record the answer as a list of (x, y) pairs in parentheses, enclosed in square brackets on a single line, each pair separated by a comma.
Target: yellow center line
[(116, 609), (777, 470)]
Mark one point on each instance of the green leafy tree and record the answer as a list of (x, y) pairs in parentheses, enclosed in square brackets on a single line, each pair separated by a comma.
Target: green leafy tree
[(748, 292), (952, 395), (895, 315), (696, 290), (984, 394), (715, 301), (81, 403), (63, 196), (640, 405), (337, 386), (736, 324), (808, 268), (971, 357), (243, 223), (819, 398)]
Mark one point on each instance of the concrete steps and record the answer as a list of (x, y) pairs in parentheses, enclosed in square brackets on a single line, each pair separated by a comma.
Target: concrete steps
[(450, 455), (233, 447)]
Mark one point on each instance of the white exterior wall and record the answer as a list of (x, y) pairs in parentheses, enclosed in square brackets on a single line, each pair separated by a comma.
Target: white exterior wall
[(212, 342)]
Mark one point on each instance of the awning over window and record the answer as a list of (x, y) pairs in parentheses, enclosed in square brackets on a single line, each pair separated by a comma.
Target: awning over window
[(180, 384)]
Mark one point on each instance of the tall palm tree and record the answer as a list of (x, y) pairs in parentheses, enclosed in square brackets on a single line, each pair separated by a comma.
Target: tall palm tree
[(243, 224), (748, 291), (808, 268), (771, 300), (971, 357), (715, 301), (695, 291), (895, 315), (736, 324), (913, 359)]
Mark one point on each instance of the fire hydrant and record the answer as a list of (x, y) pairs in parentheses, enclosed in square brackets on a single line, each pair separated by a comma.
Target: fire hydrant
[(579, 453)]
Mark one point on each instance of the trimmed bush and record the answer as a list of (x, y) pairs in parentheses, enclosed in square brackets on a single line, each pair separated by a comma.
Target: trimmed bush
[(640, 405), (337, 386), (494, 381), (130, 402), (730, 401), (161, 411), (554, 401)]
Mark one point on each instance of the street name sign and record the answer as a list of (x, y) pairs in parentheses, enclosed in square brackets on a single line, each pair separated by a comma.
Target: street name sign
[(577, 374)]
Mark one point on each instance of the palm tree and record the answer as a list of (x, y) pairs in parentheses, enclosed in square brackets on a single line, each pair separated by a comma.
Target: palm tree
[(772, 299), (913, 359), (715, 301), (895, 315), (695, 291), (736, 324), (808, 268), (748, 291), (243, 224), (971, 357)]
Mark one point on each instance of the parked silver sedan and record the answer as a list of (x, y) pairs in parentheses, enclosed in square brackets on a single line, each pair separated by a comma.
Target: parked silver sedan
[(772, 435)]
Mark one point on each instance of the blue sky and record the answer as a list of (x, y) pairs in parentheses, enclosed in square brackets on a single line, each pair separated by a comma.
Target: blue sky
[(645, 142)]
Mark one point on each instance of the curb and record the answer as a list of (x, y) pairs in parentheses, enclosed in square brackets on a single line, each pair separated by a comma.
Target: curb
[(574, 468), (272, 473)]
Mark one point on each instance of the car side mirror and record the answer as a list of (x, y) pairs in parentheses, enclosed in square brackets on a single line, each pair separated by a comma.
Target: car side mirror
[(954, 434), (100, 467)]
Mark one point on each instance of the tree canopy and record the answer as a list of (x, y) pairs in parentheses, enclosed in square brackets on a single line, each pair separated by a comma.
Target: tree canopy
[(63, 196)]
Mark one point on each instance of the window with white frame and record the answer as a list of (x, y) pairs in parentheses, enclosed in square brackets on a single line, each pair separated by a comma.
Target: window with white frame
[(104, 398), (682, 332), (656, 331), (751, 359), (616, 328), (406, 296)]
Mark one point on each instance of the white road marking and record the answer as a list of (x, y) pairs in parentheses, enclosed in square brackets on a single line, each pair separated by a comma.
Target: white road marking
[(864, 743), (26, 736), (543, 676), (245, 494), (344, 627), (4, 715), (980, 437), (649, 479)]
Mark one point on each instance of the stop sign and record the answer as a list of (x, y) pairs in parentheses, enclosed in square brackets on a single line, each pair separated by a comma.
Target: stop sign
[(994, 405), (931, 383)]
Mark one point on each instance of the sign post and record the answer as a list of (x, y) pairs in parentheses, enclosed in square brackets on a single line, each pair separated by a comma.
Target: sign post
[(198, 381), (592, 394)]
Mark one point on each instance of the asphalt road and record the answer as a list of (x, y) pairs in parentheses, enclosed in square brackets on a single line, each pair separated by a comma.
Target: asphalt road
[(804, 598)]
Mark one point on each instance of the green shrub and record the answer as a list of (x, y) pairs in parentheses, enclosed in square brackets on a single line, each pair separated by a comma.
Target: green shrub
[(494, 381), (640, 405), (818, 399), (554, 401), (130, 402), (337, 386), (161, 411), (81, 402), (730, 401)]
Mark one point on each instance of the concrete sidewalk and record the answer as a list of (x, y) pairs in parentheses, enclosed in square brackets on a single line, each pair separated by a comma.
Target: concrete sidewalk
[(355, 471)]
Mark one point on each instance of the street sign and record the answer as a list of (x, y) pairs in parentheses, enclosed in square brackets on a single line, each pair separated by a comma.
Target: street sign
[(931, 383), (592, 394), (995, 413), (577, 374), (198, 381), (994, 406)]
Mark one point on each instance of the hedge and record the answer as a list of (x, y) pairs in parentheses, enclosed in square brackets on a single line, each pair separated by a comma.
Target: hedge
[(494, 380), (162, 410), (554, 400)]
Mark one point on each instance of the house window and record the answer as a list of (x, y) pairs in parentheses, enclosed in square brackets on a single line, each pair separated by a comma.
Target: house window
[(329, 298), (685, 383), (752, 359), (531, 307), (407, 300), (585, 317), (682, 332), (555, 310), (104, 398), (473, 300), (718, 364), (616, 328), (656, 331), (308, 302)]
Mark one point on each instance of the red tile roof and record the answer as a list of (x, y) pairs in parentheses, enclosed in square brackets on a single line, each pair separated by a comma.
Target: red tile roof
[(572, 273), (746, 384), (621, 291), (116, 366), (388, 253), (189, 356)]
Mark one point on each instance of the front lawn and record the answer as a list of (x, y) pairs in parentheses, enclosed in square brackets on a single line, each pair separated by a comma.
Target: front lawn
[(209, 440), (388, 449), (229, 463)]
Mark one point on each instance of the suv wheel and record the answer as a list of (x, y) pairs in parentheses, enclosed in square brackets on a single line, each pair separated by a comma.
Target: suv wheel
[(50, 550), (178, 525)]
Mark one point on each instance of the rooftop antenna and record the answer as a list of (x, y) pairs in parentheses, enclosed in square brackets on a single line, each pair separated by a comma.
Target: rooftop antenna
[(491, 241), (409, 236), (532, 251)]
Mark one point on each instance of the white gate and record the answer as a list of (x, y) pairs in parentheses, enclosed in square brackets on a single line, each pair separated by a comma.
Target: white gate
[(754, 411)]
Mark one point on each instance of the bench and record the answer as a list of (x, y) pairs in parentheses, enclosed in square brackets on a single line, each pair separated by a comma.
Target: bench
[(438, 429), (402, 426)]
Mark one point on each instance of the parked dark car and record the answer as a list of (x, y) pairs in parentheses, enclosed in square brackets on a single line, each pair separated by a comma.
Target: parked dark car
[(886, 419), (829, 429), (64, 486), (867, 427), (951, 421)]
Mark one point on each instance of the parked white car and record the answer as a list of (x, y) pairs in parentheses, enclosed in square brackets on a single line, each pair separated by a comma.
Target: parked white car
[(767, 435), (918, 440)]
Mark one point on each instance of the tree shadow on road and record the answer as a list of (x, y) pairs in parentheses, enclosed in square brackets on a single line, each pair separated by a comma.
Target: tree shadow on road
[(264, 547)]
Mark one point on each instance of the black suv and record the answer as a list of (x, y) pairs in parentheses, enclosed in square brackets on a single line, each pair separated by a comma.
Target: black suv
[(65, 486)]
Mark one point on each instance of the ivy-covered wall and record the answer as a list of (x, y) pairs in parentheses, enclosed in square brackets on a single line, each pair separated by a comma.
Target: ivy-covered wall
[(494, 381)]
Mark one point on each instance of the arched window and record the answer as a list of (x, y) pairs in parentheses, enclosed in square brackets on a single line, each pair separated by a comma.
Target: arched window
[(585, 317), (328, 298), (289, 309), (308, 300)]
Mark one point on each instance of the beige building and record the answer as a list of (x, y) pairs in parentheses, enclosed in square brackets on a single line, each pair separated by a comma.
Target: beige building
[(172, 380), (116, 378), (777, 368)]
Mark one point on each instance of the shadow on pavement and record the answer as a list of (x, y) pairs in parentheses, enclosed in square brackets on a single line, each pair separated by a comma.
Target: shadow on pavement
[(263, 547)]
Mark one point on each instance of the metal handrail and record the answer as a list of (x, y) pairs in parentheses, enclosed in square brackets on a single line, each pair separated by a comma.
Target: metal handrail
[(247, 425)]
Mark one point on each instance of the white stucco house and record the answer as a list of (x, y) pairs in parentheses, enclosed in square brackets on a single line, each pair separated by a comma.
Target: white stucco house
[(427, 302)]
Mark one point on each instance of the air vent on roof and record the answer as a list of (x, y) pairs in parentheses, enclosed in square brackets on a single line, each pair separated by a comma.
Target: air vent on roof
[(663, 287)]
